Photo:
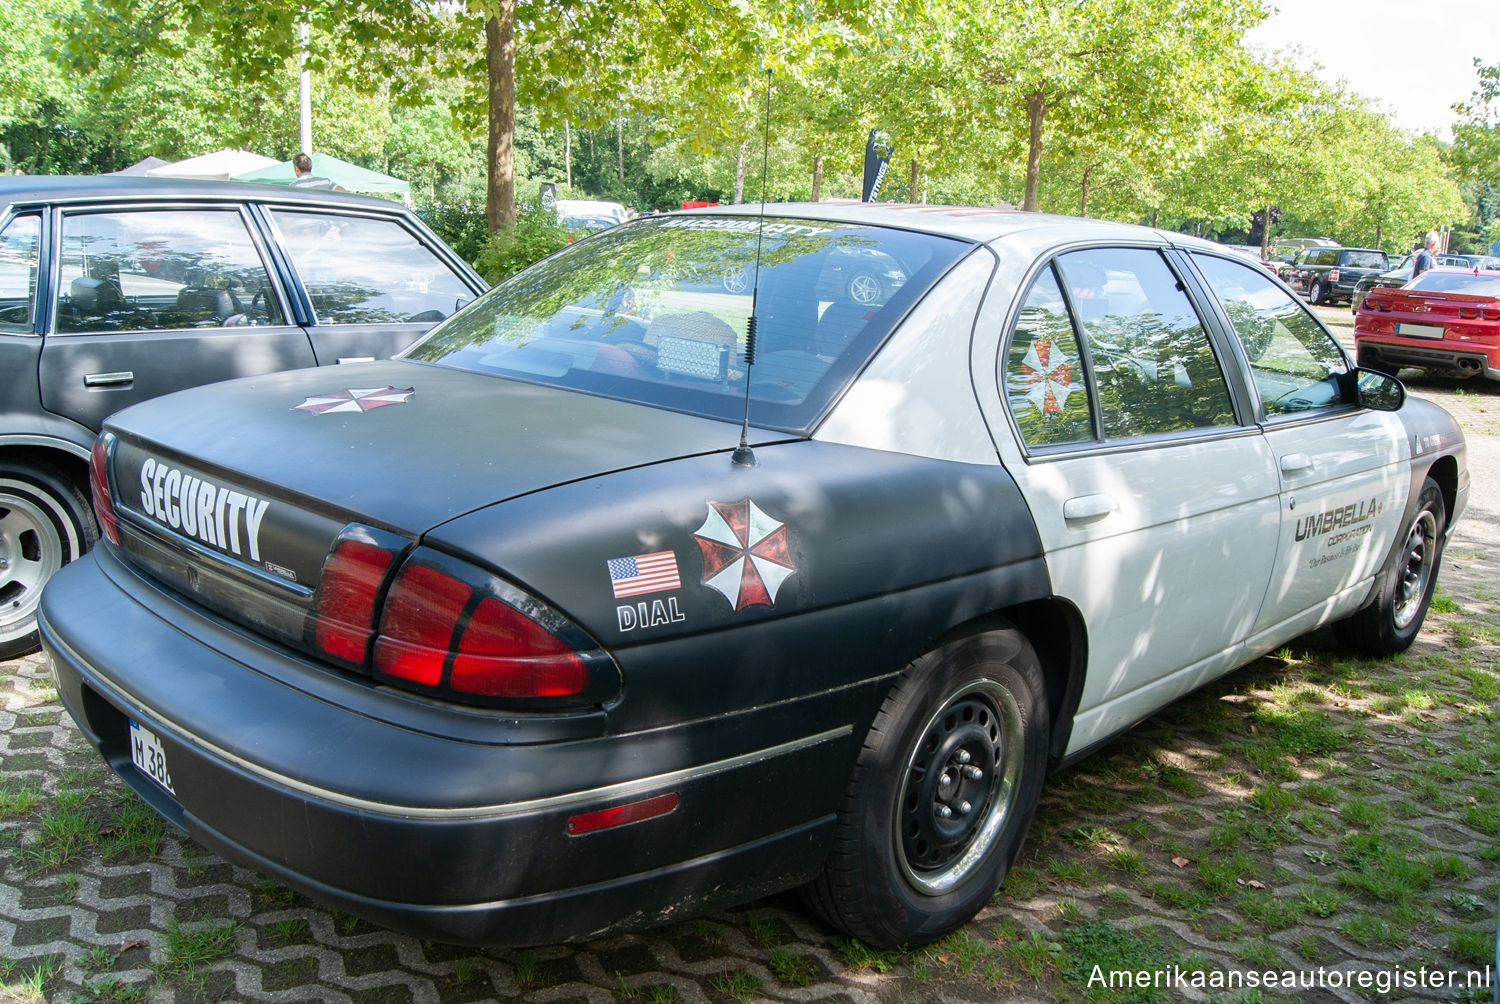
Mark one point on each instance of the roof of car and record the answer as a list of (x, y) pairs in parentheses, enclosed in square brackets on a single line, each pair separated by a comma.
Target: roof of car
[(55, 188), (977, 223)]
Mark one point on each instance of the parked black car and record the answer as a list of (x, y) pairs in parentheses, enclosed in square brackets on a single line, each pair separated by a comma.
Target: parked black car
[(1327, 275), (1400, 275), (115, 290)]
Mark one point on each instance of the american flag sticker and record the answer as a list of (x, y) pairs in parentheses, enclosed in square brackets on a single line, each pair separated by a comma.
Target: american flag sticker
[(644, 573)]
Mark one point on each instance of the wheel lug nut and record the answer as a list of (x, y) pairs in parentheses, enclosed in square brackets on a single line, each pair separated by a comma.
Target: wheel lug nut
[(964, 808), (962, 756), (973, 773), (945, 779), (944, 812)]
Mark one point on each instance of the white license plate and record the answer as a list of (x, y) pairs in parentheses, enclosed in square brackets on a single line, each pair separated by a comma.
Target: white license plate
[(148, 756), (1419, 330)]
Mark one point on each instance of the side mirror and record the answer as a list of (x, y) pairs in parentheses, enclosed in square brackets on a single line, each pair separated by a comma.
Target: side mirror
[(1379, 391)]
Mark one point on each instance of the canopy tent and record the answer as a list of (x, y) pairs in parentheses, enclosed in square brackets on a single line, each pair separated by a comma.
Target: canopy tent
[(350, 177), (140, 167), (221, 165)]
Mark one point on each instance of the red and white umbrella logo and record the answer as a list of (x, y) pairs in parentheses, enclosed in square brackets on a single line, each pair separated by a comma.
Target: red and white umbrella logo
[(364, 399), (745, 554)]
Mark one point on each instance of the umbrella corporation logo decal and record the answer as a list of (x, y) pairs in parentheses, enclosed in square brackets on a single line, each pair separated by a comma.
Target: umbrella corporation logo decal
[(366, 399), (746, 558), (745, 554)]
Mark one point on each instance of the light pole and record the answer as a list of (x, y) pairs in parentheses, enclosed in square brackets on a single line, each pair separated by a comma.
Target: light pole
[(305, 94)]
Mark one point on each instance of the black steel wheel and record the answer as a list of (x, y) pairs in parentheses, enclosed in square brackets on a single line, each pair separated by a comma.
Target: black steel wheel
[(45, 522), (942, 794), (1390, 623)]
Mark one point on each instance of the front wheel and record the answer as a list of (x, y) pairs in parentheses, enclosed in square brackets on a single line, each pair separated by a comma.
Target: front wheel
[(45, 522), (942, 794), (1390, 624)]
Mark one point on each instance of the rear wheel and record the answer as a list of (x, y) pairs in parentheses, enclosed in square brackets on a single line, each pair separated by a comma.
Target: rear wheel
[(942, 794), (1315, 291), (1390, 624), (45, 522)]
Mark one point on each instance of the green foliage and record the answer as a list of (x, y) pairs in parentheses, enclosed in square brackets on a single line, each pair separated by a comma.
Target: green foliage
[(531, 236)]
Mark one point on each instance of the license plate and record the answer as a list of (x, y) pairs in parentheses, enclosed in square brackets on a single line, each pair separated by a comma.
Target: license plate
[(1419, 330), (148, 756)]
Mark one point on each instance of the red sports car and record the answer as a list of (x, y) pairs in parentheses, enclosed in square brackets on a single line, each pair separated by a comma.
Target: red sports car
[(1446, 321)]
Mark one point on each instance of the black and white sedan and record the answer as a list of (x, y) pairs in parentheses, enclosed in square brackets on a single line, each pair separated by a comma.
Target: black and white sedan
[(585, 614)]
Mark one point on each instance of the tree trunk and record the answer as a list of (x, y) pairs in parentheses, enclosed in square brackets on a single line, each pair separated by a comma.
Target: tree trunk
[(1036, 111), (567, 153), (817, 186), (916, 176), (500, 62), (1083, 194), (740, 167), (620, 135), (1265, 237)]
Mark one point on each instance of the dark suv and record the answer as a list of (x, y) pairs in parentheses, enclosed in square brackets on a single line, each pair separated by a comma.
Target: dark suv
[(114, 290), (1327, 275)]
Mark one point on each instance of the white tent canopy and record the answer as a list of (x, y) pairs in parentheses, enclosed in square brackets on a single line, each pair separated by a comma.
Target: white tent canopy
[(221, 165)]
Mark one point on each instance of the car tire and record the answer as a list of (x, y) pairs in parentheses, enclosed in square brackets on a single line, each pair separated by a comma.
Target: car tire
[(45, 522), (1315, 292), (942, 794), (1390, 624)]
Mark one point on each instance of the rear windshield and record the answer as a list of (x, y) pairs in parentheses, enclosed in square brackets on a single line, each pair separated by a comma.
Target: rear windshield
[(1479, 284), (655, 311), (1365, 259)]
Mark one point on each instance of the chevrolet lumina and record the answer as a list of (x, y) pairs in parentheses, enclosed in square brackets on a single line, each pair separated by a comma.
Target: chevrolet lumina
[(510, 641)]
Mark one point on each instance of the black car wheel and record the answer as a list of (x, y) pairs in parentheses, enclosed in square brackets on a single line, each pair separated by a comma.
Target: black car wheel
[(45, 522), (942, 794), (1315, 291), (1390, 624)]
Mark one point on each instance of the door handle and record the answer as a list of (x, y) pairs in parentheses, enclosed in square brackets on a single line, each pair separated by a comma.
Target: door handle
[(122, 379), (1296, 463), (1087, 508)]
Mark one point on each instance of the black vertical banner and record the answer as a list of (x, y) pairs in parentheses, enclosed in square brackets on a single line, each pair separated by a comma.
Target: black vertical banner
[(877, 159)]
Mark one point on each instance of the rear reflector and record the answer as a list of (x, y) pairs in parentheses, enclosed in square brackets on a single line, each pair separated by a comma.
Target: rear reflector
[(620, 815), (104, 506)]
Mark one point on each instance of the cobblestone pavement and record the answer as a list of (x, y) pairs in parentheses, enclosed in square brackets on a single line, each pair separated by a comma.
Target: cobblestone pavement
[(1307, 811)]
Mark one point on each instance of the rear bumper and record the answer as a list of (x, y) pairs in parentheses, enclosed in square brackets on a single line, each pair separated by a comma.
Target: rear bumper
[(446, 824), (1450, 358)]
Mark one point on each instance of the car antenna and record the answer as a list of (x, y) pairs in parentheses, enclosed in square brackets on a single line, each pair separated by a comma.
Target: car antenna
[(743, 455)]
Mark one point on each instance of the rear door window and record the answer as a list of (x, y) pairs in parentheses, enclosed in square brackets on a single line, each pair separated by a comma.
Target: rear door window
[(363, 270)]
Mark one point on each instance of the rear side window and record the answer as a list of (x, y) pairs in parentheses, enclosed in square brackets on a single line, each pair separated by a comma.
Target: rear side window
[(1295, 362), (137, 271), (1044, 380), (18, 264), (360, 270)]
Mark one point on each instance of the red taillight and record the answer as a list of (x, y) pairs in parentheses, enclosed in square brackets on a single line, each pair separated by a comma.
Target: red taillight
[(347, 593), (418, 626), (1333, 275), (457, 631), (104, 506), (1490, 313)]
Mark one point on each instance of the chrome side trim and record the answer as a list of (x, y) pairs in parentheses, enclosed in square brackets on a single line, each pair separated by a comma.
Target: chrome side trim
[(81, 452), (609, 792)]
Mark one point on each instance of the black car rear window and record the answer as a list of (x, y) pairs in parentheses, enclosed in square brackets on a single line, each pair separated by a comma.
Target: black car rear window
[(655, 311), (1365, 259), (1477, 283)]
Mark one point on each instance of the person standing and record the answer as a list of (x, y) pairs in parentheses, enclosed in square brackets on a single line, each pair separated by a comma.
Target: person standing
[(1425, 258), (302, 165)]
